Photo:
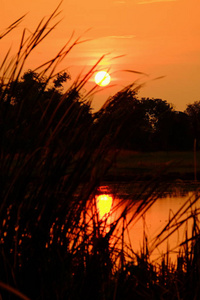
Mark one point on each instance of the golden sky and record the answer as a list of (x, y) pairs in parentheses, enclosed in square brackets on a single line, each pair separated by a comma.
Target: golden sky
[(157, 37)]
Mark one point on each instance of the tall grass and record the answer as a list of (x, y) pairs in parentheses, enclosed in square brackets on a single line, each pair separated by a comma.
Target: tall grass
[(53, 159)]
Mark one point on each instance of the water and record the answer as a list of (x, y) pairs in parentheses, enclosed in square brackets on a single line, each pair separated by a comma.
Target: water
[(145, 227)]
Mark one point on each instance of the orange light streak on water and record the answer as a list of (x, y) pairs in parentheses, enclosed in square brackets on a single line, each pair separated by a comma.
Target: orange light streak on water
[(104, 204)]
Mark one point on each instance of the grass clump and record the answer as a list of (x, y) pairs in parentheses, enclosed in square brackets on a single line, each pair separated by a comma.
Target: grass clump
[(53, 158)]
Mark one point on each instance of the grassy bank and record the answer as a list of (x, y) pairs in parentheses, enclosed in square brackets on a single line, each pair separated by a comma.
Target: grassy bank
[(145, 165)]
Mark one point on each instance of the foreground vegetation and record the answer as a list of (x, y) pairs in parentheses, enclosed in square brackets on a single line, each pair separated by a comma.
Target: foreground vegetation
[(54, 154)]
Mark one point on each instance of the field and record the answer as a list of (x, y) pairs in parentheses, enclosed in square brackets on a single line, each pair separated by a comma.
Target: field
[(145, 165)]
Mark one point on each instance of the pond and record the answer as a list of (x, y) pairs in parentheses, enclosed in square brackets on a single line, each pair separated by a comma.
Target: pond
[(156, 222)]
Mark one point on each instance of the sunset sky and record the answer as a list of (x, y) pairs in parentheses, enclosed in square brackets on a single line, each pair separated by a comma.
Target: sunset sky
[(157, 37)]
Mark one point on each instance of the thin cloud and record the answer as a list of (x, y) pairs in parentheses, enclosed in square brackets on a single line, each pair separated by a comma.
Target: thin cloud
[(120, 2), (121, 36), (154, 1)]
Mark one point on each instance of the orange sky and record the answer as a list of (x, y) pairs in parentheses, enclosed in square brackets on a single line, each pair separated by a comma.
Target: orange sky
[(157, 37)]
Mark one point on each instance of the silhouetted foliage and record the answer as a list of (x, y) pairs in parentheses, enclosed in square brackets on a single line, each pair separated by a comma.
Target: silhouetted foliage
[(170, 129), (193, 111), (125, 109), (180, 137), (29, 103), (146, 124)]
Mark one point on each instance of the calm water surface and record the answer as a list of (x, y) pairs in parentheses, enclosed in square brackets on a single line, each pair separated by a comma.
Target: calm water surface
[(175, 206)]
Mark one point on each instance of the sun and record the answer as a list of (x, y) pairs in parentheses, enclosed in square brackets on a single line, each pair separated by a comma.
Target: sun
[(102, 78)]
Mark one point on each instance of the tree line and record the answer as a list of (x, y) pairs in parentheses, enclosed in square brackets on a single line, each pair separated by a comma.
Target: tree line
[(153, 124), (141, 124)]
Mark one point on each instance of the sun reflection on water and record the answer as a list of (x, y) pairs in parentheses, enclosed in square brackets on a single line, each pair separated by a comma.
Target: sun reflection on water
[(104, 204)]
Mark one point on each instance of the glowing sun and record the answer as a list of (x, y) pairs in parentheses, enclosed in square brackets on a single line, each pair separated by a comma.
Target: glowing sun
[(102, 78)]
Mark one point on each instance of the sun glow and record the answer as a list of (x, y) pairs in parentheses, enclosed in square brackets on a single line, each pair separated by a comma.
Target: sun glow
[(104, 204), (102, 78)]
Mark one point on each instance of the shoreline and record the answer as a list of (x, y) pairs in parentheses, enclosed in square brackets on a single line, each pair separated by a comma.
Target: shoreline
[(168, 177)]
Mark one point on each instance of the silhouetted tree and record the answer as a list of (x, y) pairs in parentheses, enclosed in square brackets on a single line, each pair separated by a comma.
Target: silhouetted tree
[(60, 78), (180, 137), (144, 124), (30, 106), (123, 116), (193, 111), (158, 113)]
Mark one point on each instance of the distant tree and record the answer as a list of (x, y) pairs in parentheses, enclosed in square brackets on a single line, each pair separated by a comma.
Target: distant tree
[(159, 115), (30, 107), (60, 78), (55, 91), (180, 137), (124, 118), (193, 111), (32, 85), (144, 124)]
